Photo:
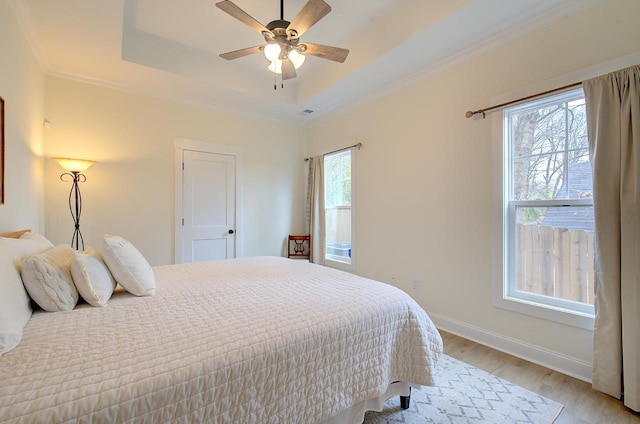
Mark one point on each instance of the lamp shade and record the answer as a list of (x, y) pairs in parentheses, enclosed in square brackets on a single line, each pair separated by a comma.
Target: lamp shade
[(74, 165)]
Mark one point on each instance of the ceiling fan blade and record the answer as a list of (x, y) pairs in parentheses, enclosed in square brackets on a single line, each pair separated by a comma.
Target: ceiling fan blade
[(241, 15), (242, 52), (311, 13), (325, 52), (288, 70)]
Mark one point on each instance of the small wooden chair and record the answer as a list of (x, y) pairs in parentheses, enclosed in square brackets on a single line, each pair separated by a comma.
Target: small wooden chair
[(299, 246)]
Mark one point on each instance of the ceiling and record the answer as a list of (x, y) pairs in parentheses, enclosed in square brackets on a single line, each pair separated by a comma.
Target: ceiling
[(170, 48)]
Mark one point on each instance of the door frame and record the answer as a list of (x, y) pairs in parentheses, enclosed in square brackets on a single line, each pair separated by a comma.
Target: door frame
[(182, 144)]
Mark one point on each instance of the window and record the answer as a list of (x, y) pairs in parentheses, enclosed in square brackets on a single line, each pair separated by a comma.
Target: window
[(339, 228), (548, 204)]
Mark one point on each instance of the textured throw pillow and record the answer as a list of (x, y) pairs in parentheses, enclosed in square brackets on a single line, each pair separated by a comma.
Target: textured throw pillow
[(27, 244), (47, 278), (127, 265), (15, 309), (92, 278)]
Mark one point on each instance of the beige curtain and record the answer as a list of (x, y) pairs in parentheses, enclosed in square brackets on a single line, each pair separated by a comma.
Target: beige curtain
[(309, 197), (613, 121), (316, 209)]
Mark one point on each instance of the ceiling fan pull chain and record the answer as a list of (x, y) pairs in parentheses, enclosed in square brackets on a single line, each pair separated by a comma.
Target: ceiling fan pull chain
[(275, 81)]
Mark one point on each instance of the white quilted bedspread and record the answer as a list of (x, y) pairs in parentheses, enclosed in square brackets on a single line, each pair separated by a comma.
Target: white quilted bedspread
[(254, 340)]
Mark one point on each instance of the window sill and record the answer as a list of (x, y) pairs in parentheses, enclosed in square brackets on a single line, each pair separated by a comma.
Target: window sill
[(546, 312), (334, 262)]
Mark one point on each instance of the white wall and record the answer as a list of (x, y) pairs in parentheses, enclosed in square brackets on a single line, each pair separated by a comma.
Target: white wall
[(425, 174), (22, 88), (424, 190), (130, 190)]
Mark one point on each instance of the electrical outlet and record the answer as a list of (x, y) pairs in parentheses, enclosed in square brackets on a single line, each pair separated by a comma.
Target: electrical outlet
[(393, 279), (415, 283)]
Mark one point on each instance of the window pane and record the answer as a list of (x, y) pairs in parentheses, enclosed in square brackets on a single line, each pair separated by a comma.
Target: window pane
[(579, 179), (337, 170), (554, 252), (538, 177), (549, 150), (550, 249)]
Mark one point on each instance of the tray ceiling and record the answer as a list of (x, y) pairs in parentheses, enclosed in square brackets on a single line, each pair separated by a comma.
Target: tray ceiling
[(170, 48)]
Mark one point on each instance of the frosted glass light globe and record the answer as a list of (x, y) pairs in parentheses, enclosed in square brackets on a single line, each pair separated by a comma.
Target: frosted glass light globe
[(296, 58), (276, 66), (272, 52)]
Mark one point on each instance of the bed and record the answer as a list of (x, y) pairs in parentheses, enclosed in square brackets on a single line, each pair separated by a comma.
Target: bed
[(251, 340)]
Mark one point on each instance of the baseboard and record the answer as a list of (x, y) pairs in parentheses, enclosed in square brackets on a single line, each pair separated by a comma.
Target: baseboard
[(553, 360)]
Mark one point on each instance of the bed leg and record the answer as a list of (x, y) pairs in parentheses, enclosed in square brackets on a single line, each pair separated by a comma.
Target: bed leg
[(405, 400)]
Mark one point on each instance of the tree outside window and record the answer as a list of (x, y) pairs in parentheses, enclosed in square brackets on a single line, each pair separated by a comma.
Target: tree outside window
[(549, 201)]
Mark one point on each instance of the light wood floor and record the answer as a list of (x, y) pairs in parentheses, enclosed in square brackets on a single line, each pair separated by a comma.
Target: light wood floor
[(582, 404)]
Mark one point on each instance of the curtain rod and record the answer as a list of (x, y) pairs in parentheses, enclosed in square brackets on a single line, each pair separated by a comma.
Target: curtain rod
[(483, 112), (359, 146)]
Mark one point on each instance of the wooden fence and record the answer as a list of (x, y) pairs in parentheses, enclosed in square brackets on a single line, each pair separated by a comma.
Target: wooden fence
[(338, 224), (555, 262)]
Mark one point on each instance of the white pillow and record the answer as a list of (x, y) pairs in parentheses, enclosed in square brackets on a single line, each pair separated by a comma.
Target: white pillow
[(27, 244), (92, 278), (15, 309), (47, 278), (127, 265)]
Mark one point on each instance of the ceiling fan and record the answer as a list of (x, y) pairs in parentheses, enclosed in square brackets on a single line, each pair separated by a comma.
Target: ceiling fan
[(284, 49)]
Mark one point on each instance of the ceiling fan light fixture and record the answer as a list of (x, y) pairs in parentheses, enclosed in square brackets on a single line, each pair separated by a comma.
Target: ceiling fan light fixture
[(283, 48), (276, 67), (296, 58), (272, 52)]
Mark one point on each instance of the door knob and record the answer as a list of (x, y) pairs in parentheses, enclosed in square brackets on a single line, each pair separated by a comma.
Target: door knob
[(231, 231)]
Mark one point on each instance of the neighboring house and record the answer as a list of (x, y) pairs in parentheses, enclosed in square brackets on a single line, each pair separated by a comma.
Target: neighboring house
[(580, 183)]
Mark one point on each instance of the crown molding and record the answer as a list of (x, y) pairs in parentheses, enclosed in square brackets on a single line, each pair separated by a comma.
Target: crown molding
[(221, 107)]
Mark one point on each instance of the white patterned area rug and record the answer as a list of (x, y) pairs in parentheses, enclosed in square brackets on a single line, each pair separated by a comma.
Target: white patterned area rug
[(465, 394)]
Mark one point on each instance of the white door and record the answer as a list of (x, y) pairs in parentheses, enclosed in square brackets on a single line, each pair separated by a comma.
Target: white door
[(208, 206)]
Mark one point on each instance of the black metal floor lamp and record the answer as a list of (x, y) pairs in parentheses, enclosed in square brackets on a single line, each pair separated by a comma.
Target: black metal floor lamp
[(75, 168)]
